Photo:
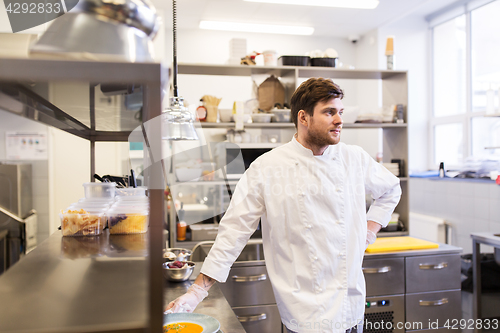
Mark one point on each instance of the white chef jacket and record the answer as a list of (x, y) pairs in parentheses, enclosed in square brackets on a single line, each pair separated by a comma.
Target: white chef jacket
[(314, 225)]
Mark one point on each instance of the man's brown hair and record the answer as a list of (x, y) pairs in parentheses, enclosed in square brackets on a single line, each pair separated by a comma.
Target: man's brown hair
[(312, 91)]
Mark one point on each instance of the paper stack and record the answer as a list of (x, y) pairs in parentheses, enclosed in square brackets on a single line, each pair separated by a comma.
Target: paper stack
[(392, 167)]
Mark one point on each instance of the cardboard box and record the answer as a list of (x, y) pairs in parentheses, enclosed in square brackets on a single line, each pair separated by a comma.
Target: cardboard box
[(270, 92)]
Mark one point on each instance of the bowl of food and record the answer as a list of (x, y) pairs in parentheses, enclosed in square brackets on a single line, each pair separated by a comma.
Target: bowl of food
[(178, 271), (176, 254), (189, 322)]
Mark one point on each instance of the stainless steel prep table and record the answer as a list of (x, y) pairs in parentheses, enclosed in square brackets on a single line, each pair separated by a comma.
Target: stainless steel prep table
[(479, 238), (214, 305), (71, 284)]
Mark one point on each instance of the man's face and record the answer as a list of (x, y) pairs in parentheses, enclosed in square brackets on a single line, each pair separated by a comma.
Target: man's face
[(326, 124)]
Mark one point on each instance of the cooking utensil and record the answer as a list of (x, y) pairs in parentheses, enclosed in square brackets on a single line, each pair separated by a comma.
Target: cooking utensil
[(209, 324)]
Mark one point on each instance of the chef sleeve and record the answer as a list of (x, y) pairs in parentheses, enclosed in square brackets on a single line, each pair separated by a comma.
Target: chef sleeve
[(238, 224), (384, 188)]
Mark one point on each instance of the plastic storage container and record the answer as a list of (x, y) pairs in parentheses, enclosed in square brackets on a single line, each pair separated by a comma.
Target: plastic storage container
[(281, 115), (99, 210), (324, 62), (128, 219), (293, 60), (81, 223), (131, 192), (99, 190)]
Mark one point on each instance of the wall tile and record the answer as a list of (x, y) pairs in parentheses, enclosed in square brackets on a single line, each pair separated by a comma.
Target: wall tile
[(481, 190), (494, 227), (430, 203), (481, 208), (494, 208), (453, 187), (466, 206), (495, 192), (466, 188)]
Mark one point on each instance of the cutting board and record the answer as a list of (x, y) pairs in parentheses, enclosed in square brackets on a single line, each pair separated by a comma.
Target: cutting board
[(388, 244)]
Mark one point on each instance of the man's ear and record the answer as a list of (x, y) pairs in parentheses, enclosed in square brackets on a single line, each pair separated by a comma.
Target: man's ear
[(302, 117)]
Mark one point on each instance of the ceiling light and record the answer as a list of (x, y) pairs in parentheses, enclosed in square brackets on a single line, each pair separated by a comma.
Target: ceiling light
[(253, 27), (359, 4)]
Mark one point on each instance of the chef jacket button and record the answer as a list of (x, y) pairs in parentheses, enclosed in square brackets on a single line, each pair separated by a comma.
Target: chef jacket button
[(338, 221), (308, 226), (314, 258), (339, 189)]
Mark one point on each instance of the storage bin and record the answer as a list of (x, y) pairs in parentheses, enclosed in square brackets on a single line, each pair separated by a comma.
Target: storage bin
[(288, 60), (81, 223), (100, 190), (128, 220), (324, 62)]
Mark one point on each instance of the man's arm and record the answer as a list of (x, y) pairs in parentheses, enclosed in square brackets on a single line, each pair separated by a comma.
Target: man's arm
[(204, 281)]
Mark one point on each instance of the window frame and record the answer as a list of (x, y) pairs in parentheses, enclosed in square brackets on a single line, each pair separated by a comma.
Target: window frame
[(435, 20)]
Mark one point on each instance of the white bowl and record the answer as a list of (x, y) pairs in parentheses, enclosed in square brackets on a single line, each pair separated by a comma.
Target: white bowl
[(188, 174), (262, 117)]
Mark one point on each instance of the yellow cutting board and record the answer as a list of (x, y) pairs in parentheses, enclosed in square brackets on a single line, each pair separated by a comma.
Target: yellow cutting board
[(388, 244)]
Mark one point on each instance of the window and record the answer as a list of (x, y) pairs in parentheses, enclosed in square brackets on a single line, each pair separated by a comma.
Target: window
[(466, 85)]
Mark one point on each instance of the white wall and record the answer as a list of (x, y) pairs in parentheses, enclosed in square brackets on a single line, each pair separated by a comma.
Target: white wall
[(411, 53)]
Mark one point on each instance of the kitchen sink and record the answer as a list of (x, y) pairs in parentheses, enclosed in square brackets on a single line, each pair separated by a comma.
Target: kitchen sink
[(253, 251)]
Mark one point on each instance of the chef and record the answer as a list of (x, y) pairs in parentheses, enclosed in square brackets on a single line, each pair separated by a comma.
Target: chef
[(310, 195)]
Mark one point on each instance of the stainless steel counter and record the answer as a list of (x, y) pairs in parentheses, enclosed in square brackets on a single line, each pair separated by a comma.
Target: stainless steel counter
[(479, 238), (78, 284), (214, 305)]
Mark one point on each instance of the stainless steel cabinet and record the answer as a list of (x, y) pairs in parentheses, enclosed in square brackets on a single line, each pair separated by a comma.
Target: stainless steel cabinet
[(413, 289), (250, 294), (384, 276), (430, 273)]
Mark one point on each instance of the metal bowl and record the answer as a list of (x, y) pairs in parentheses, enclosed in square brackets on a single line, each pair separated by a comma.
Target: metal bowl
[(178, 274), (177, 251)]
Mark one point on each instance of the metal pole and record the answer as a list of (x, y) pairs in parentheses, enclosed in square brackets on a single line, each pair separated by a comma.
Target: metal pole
[(153, 176), (92, 130), (476, 282)]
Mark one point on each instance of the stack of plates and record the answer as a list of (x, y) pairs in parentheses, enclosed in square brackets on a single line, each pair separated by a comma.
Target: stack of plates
[(392, 167)]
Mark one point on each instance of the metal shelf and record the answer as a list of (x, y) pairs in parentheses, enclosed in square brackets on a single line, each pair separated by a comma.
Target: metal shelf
[(280, 71), (24, 91), (291, 125)]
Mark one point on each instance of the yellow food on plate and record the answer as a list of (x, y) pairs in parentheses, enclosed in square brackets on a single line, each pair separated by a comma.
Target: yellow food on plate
[(80, 222), (182, 328)]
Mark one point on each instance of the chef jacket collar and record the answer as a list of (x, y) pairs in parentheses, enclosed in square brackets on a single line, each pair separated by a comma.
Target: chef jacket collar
[(306, 152)]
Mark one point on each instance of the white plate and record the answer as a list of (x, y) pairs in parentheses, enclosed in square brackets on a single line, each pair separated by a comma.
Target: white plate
[(209, 324)]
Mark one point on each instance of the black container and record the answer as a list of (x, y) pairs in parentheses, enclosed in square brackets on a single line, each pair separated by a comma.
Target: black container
[(324, 62), (293, 61)]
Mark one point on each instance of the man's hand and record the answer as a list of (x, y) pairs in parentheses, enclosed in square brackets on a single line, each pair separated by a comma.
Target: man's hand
[(372, 229), (194, 295)]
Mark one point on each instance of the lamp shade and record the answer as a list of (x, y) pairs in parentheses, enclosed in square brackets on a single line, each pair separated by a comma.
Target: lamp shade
[(178, 121)]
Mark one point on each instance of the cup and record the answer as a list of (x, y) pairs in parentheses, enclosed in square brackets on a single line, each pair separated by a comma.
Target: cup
[(270, 58)]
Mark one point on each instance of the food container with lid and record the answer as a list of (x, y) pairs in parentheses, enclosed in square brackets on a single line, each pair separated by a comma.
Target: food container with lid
[(131, 192), (81, 223), (99, 190), (281, 115), (128, 219), (99, 210)]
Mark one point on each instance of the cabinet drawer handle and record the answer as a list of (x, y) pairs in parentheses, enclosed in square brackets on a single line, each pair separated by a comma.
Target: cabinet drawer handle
[(433, 266), (250, 278), (245, 319), (377, 270), (441, 301)]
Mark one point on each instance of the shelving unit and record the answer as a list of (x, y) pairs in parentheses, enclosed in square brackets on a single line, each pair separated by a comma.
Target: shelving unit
[(394, 88), (119, 294)]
